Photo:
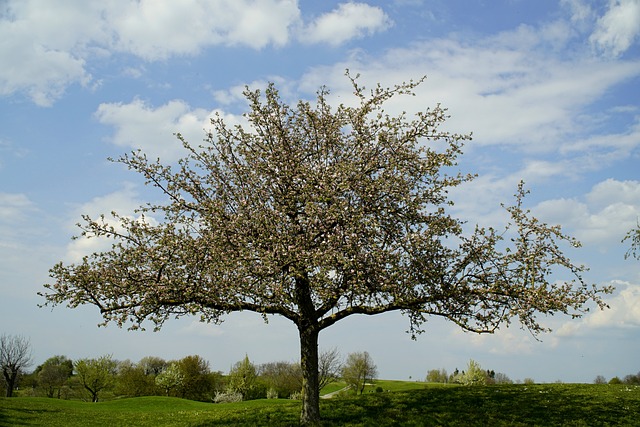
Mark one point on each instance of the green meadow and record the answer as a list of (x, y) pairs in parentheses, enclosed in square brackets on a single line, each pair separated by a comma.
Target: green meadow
[(401, 403)]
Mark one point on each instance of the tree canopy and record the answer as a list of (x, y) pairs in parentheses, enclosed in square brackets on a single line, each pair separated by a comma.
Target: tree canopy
[(318, 213)]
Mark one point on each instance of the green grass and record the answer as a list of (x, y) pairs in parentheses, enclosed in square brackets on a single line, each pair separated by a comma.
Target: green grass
[(387, 385), (512, 405), (332, 387), (393, 385)]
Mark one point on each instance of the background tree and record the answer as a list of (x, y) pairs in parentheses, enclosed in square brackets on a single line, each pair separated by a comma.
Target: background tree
[(242, 378), (490, 375), (358, 371), (170, 379), (152, 365), (474, 375), (198, 382), (15, 357), (286, 377), (95, 375), (53, 375), (437, 376), (615, 380), (133, 381), (600, 380), (283, 377), (317, 213), (502, 378), (632, 379), (329, 367)]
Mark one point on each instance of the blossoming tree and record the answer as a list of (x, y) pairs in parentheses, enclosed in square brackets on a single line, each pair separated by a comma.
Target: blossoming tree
[(317, 213)]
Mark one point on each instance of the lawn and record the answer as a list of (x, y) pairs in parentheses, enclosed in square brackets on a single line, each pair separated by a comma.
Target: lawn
[(512, 405)]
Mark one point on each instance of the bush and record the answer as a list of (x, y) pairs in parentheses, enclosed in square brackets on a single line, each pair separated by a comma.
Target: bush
[(272, 393), (228, 396)]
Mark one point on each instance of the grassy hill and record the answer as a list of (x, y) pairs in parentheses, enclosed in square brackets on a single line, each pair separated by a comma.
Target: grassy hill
[(425, 405)]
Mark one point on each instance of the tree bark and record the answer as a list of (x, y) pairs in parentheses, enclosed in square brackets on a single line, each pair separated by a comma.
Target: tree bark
[(309, 362), (10, 379)]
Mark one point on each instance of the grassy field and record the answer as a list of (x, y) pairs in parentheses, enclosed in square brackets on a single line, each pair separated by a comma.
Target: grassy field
[(512, 405)]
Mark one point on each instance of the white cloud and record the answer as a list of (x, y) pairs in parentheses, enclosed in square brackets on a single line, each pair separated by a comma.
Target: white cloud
[(624, 308), (611, 191), (346, 22), (265, 22), (506, 92), (235, 94), (42, 73), (40, 53), (607, 212), (15, 210), (618, 28), (141, 126), (580, 10), (596, 150), (155, 30), (624, 312), (47, 45), (13, 206), (124, 202), (505, 341)]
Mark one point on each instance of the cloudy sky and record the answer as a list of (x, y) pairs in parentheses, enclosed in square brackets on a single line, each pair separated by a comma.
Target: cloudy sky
[(550, 90)]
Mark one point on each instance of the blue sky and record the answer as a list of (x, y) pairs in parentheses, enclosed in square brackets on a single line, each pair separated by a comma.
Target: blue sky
[(549, 89)]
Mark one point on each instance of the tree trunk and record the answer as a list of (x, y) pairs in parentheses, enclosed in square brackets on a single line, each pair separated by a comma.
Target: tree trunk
[(93, 393), (10, 379), (309, 362)]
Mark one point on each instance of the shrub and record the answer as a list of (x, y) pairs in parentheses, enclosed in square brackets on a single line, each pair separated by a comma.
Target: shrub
[(228, 396), (272, 393)]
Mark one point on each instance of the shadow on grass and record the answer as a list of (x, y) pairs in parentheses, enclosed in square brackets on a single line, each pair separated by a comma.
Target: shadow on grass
[(10, 417), (514, 405), (517, 405)]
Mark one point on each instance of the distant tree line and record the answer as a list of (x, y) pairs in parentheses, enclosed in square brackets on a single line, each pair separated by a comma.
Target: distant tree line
[(473, 375), (630, 379), (95, 379)]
